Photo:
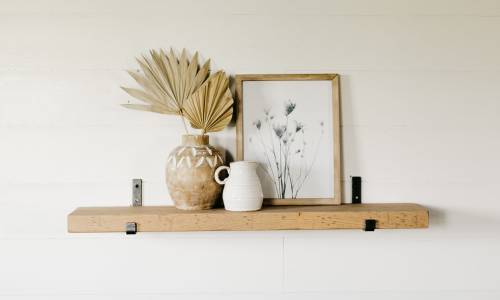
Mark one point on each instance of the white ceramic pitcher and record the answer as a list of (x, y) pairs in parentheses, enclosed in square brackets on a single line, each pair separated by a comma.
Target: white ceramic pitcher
[(243, 191)]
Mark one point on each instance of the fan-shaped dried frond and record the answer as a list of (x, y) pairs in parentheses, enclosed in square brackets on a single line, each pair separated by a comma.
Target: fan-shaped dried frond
[(167, 81), (145, 108), (210, 108)]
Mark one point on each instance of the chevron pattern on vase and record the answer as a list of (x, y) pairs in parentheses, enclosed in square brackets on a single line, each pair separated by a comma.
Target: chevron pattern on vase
[(178, 160)]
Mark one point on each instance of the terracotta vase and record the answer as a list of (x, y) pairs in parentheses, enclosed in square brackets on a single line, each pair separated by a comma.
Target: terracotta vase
[(190, 173)]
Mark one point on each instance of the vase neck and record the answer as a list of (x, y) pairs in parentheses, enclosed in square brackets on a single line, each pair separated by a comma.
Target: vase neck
[(194, 140)]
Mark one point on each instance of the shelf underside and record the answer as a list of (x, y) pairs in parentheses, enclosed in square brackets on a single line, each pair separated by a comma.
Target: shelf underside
[(169, 219)]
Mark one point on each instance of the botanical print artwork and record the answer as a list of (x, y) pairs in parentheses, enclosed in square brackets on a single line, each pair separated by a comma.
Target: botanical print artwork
[(288, 130), (285, 144)]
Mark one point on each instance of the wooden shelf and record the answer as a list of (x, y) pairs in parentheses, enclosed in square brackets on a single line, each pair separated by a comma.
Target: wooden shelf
[(168, 218)]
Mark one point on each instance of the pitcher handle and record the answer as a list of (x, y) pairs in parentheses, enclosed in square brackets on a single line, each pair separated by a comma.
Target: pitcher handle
[(216, 175)]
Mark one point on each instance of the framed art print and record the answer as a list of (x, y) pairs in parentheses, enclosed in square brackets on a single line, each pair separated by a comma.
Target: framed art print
[(290, 125)]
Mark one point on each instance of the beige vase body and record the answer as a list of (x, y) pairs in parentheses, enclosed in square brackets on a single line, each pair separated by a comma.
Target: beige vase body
[(190, 173)]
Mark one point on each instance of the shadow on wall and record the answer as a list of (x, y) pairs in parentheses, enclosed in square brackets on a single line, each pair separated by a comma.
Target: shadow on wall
[(346, 114), (462, 220), (437, 217)]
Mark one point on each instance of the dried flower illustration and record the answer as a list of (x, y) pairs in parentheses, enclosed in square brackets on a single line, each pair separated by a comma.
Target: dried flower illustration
[(257, 124), (298, 126), (283, 142), (279, 130), (289, 107)]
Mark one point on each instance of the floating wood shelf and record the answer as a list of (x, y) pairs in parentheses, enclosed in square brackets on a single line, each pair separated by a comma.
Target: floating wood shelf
[(168, 218)]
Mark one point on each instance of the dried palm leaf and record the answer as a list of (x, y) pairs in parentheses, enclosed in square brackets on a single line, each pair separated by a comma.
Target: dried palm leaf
[(145, 108), (210, 108), (167, 81)]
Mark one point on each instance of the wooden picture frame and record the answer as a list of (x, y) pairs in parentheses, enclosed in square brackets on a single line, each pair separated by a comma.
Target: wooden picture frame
[(334, 79)]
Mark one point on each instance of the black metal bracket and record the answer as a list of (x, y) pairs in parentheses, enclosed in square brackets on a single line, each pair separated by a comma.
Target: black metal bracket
[(356, 189), (136, 192), (370, 225), (131, 228)]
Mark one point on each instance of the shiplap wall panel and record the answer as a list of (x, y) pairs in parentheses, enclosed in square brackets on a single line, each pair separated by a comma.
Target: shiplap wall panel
[(258, 7), (97, 41), (420, 124), (152, 265), (442, 295), (58, 125), (406, 262)]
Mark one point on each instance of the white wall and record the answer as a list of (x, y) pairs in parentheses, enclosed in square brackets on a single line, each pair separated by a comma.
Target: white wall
[(421, 108)]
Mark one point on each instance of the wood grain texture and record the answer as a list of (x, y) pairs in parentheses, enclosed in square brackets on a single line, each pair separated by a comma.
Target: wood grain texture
[(168, 218), (337, 165)]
